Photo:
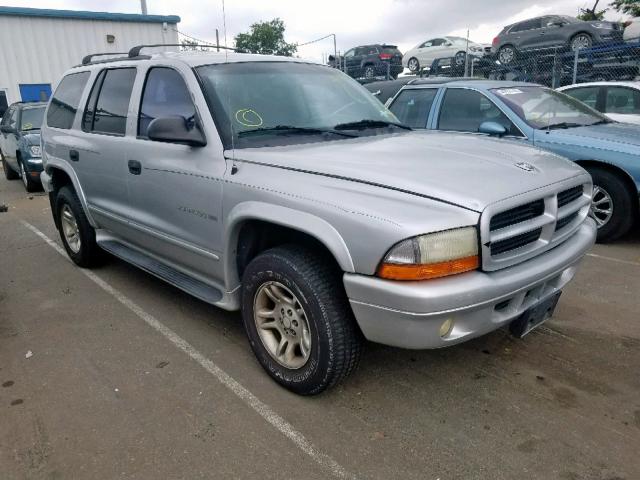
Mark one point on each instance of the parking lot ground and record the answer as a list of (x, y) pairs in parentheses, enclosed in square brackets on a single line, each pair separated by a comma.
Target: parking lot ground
[(108, 393)]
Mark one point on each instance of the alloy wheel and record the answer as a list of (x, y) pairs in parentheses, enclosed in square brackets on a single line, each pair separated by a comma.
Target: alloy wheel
[(282, 325), (413, 65), (70, 229), (601, 209), (506, 55), (23, 175), (581, 42), (459, 59)]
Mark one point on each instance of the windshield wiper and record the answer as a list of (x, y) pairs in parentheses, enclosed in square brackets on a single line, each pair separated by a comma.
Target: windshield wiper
[(600, 122), (294, 130), (563, 125), (365, 123)]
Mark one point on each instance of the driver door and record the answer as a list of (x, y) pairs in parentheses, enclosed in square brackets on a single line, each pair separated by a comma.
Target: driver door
[(175, 190)]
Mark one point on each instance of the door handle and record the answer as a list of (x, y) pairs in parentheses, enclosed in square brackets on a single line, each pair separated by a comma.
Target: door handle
[(74, 156), (135, 167)]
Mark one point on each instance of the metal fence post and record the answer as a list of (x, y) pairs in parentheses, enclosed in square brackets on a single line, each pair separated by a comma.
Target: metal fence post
[(389, 70), (575, 65)]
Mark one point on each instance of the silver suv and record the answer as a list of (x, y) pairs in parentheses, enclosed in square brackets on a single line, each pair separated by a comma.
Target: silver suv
[(282, 188)]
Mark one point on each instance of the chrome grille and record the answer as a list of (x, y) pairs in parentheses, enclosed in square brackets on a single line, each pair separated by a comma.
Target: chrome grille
[(527, 225)]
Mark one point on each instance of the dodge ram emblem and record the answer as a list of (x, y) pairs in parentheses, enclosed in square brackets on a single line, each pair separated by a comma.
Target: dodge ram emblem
[(527, 167)]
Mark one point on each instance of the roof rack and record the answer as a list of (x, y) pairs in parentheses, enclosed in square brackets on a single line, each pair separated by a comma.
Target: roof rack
[(87, 60), (135, 51)]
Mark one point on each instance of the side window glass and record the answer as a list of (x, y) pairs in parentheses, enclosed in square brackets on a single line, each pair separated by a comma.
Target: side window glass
[(588, 95), (66, 100), (350, 53), (464, 110), (7, 116), (111, 107), (412, 106), (623, 100), (438, 42), (165, 95), (89, 111)]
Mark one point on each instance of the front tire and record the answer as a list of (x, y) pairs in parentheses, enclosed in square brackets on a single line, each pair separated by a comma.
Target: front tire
[(9, 174), (369, 72), (298, 319), (613, 206), (76, 233), (29, 185)]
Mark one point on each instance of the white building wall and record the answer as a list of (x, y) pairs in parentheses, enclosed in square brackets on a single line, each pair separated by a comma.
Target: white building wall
[(40, 50)]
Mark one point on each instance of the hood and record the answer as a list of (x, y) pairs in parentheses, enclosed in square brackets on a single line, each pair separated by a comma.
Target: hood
[(461, 169), (32, 138), (618, 137)]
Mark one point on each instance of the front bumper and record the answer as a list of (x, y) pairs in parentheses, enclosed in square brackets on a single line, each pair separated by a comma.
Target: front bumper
[(410, 314), (47, 181)]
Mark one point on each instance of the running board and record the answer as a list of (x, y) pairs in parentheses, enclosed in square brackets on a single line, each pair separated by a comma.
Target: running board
[(192, 286)]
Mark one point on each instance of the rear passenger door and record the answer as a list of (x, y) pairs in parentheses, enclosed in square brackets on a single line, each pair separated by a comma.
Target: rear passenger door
[(100, 160), (176, 195)]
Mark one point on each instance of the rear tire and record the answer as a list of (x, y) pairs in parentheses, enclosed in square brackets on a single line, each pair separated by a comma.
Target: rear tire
[(507, 55), (459, 59), (581, 41), (614, 208), (369, 72), (319, 323), (9, 173), (414, 65), (76, 233)]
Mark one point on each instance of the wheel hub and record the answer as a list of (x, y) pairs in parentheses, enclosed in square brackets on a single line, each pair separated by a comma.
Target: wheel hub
[(70, 229), (282, 325), (601, 209)]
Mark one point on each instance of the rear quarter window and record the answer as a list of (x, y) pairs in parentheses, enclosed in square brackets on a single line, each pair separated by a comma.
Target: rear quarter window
[(66, 99)]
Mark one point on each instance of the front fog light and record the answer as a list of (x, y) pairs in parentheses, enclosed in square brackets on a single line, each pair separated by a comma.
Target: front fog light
[(446, 327)]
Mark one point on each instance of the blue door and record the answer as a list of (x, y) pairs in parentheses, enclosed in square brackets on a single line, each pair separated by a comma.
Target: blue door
[(35, 92)]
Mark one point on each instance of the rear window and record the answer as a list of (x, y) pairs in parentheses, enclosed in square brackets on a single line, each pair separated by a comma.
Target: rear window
[(109, 112), (392, 49), (66, 99)]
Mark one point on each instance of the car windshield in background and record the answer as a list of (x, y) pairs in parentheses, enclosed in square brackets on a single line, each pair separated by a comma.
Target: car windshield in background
[(257, 101), (545, 108), (32, 118)]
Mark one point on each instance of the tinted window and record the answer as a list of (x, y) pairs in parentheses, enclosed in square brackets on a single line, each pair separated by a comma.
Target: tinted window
[(464, 110), (13, 120), (89, 111), (622, 100), (438, 42), (31, 118), (412, 106), (588, 95), (165, 95), (350, 53), (113, 101), (527, 25), (7, 116), (66, 100)]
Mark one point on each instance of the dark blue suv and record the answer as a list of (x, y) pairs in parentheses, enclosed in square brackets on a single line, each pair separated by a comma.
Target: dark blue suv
[(20, 143)]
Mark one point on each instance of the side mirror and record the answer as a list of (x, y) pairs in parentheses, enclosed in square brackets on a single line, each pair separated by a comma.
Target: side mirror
[(175, 130), (492, 128), (6, 129)]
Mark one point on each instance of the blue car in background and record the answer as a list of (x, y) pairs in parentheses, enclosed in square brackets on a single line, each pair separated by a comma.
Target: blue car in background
[(20, 143), (539, 116)]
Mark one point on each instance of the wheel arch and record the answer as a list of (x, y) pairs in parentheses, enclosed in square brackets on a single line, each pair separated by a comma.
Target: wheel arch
[(63, 175), (626, 177), (276, 222)]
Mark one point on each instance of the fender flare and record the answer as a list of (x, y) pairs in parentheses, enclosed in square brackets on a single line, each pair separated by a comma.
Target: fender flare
[(54, 164), (310, 224)]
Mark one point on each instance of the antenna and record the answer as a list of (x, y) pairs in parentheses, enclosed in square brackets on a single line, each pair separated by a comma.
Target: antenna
[(234, 167)]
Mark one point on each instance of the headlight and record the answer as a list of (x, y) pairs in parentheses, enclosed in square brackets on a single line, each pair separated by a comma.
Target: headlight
[(602, 25), (432, 255), (35, 150), (476, 49)]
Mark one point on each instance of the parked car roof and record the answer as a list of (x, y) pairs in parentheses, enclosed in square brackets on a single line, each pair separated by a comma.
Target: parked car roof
[(632, 84), (470, 82)]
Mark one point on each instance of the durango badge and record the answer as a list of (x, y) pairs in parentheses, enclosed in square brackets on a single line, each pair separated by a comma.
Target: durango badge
[(527, 167)]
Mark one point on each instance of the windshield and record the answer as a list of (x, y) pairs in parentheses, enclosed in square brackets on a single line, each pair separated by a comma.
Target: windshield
[(32, 118), (254, 101), (545, 108)]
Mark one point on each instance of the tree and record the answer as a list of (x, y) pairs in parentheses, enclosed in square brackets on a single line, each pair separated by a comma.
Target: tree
[(266, 38), (630, 7), (591, 14), (186, 45)]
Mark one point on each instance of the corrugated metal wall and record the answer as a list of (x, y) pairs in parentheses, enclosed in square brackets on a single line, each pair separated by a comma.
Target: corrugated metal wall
[(39, 50)]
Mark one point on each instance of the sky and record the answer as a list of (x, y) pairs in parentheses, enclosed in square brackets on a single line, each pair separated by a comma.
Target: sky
[(355, 22)]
